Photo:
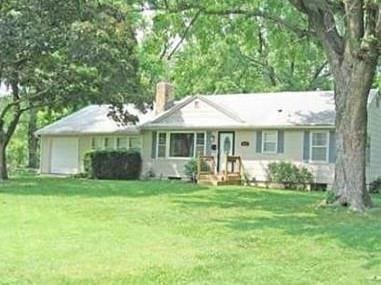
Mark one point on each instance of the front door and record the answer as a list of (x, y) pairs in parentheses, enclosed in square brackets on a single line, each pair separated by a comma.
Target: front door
[(225, 147)]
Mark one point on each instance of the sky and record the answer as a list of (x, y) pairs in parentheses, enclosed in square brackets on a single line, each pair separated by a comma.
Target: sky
[(4, 90)]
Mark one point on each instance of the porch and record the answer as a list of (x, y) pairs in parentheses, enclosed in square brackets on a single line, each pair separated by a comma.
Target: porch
[(231, 171)]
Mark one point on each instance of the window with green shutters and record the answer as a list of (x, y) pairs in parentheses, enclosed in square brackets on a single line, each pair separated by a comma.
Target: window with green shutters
[(319, 146)]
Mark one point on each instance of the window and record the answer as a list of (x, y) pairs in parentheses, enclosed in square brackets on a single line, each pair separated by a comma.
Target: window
[(161, 145), (122, 143), (181, 145), (135, 143), (319, 146), (107, 143), (96, 143), (200, 144), (270, 141)]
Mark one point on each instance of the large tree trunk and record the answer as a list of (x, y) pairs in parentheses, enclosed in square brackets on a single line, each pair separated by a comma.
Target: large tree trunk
[(32, 139), (352, 85), (3, 161)]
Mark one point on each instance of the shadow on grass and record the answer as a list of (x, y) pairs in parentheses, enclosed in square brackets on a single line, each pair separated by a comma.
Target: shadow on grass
[(296, 214), (48, 186)]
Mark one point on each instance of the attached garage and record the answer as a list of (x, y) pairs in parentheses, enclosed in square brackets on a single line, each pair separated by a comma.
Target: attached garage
[(64, 155), (65, 142)]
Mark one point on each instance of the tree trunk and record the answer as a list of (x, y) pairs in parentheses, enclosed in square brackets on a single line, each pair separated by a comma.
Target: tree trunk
[(32, 140), (352, 85), (3, 162)]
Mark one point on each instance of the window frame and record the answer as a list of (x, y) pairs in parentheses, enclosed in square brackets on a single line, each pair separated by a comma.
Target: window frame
[(276, 141), (97, 143), (168, 142), (326, 146), (117, 147), (158, 144)]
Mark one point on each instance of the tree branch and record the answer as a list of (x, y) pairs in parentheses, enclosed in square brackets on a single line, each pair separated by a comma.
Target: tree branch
[(183, 36), (321, 18), (182, 7)]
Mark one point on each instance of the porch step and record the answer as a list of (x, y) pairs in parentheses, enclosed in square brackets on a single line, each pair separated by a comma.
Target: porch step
[(215, 180)]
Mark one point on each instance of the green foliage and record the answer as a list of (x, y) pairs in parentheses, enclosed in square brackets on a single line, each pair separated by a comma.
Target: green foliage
[(222, 53), (61, 55), (65, 52), (289, 174), (375, 186), (190, 168), (116, 164), (330, 197)]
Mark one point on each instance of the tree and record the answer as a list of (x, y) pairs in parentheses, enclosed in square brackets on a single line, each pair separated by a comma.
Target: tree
[(202, 53), (32, 139), (349, 32), (55, 54)]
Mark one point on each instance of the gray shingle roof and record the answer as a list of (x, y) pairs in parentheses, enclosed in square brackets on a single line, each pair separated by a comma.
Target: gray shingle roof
[(93, 119), (279, 109)]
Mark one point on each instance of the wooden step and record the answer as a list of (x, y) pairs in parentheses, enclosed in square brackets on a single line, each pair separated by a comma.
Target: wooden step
[(231, 182)]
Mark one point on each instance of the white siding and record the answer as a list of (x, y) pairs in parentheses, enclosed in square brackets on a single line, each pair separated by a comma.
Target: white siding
[(162, 167), (45, 156), (198, 113), (84, 146), (374, 132), (255, 163)]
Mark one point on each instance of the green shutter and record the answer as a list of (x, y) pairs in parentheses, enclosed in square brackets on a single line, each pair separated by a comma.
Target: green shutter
[(332, 147), (281, 141), (208, 143), (306, 146), (259, 142), (153, 146)]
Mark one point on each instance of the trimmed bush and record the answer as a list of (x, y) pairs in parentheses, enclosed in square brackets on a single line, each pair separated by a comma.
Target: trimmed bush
[(115, 164), (190, 168), (289, 175)]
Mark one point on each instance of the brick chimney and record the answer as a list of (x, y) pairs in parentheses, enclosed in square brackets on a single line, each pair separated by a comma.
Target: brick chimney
[(164, 97)]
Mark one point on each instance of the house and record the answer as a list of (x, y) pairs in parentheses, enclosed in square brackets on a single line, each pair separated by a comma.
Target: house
[(260, 128)]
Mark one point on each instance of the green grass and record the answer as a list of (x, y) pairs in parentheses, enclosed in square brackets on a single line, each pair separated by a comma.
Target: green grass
[(66, 231)]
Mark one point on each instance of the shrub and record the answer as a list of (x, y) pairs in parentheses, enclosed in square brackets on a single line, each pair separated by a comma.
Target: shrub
[(375, 186), (190, 168), (116, 164), (289, 175)]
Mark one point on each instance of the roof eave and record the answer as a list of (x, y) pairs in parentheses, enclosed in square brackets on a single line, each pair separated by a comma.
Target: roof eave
[(238, 127)]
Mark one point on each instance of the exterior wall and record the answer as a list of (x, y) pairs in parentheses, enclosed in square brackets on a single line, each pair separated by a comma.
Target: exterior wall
[(198, 113), (255, 164), (374, 133), (161, 167), (84, 146), (45, 154)]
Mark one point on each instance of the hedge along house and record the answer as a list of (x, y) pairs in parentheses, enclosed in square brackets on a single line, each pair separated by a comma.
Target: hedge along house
[(260, 128)]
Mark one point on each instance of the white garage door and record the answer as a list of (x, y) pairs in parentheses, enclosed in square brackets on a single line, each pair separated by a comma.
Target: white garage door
[(64, 156)]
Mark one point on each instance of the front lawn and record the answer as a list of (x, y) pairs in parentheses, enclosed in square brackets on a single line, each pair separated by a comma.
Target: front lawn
[(66, 231)]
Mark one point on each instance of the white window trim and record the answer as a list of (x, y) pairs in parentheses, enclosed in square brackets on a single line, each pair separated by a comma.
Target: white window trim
[(326, 146), (276, 142), (157, 145), (168, 141), (117, 140)]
